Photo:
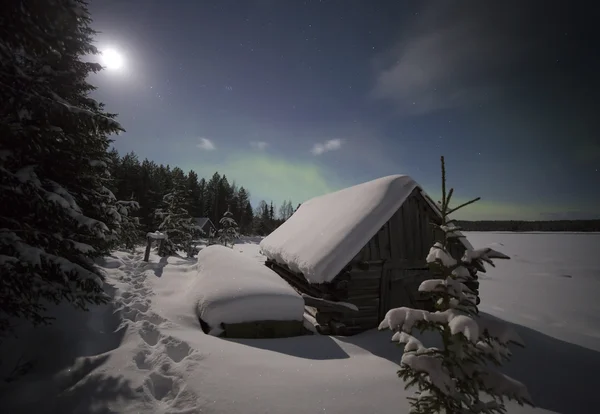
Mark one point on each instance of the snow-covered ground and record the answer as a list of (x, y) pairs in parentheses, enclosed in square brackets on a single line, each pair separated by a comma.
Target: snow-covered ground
[(146, 352)]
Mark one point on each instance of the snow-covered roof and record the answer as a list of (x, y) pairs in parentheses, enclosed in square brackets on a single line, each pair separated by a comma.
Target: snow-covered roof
[(201, 221), (328, 231)]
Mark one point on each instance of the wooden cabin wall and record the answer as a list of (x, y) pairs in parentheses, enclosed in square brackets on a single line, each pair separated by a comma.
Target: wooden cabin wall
[(386, 272), (405, 238), (392, 264)]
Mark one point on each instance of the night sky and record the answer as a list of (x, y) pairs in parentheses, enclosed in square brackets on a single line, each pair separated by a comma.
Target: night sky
[(293, 99)]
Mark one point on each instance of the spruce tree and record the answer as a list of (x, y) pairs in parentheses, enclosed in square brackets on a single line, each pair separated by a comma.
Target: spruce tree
[(228, 231), (459, 377), (243, 200), (248, 215), (212, 200), (194, 203), (176, 222), (129, 226), (57, 214)]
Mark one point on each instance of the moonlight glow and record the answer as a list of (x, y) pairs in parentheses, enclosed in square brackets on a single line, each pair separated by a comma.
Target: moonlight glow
[(112, 59)]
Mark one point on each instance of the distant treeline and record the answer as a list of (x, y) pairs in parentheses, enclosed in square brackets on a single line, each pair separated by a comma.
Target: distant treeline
[(517, 225)]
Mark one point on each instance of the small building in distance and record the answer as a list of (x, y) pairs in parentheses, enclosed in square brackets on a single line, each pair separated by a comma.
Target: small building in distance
[(365, 245), (206, 225)]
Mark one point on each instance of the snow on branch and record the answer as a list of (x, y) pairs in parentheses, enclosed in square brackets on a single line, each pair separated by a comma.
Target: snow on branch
[(485, 254), (404, 319), (439, 254), (497, 383), (157, 235), (433, 366)]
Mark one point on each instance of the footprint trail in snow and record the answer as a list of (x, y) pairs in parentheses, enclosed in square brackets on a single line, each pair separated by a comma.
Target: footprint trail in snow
[(164, 358)]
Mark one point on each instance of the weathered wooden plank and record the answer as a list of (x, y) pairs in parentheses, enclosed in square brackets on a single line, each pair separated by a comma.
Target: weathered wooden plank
[(384, 295), (360, 281), (383, 241), (428, 214), (361, 321), (298, 282), (361, 304), (418, 229), (263, 329), (403, 237), (311, 311), (408, 236), (410, 212), (364, 299), (351, 320), (405, 276), (361, 297), (365, 284), (373, 272), (374, 249), (365, 253), (327, 306), (366, 310), (357, 296), (413, 227), (398, 294), (395, 237)]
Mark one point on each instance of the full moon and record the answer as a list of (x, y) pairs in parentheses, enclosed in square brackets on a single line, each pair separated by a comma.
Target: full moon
[(112, 59)]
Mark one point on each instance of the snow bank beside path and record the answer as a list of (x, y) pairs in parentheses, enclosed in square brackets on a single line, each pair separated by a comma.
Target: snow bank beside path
[(233, 288)]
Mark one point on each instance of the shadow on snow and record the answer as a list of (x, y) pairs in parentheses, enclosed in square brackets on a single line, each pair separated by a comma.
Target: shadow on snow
[(561, 377), (63, 358), (315, 347)]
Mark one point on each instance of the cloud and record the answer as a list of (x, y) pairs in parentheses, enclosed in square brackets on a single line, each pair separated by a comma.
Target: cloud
[(206, 145), (261, 145), (454, 55), (330, 145)]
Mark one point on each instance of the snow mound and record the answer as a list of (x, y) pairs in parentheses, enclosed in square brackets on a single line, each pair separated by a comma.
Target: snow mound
[(233, 288), (328, 231)]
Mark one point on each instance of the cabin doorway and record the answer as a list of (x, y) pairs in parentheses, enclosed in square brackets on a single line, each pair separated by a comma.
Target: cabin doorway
[(400, 287)]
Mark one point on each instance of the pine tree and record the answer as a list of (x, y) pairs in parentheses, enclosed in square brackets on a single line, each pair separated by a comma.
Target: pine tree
[(176, 222), (228, 231), (455, 378), (57, 214)]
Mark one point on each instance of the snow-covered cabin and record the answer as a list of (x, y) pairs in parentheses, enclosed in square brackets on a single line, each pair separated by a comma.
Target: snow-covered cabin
[(205, 224), (365, 245)]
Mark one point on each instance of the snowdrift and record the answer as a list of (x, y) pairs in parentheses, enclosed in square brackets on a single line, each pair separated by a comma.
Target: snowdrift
[(231, 288)]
